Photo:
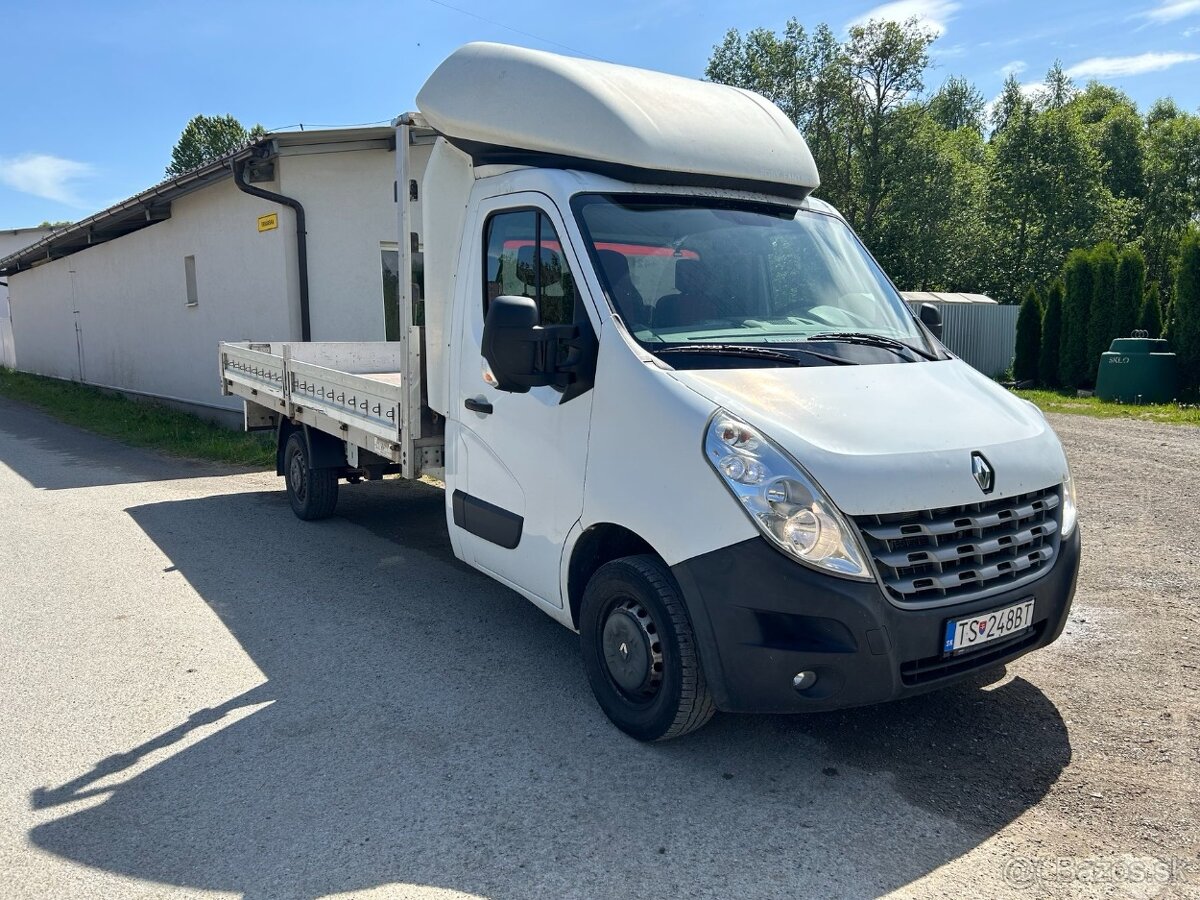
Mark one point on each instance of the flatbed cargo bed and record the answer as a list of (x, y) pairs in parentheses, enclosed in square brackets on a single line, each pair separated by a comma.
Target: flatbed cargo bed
[(355, 391)]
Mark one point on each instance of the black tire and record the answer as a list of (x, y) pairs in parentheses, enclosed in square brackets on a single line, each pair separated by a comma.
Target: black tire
[(313, 493), (652, 693)]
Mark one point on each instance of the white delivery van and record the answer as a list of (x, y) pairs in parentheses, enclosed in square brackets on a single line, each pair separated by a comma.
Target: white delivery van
[(677, 405)]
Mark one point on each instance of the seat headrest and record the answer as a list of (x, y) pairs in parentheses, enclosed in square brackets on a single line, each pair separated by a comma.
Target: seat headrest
[(552, 269), (615, 265), (688, 274)]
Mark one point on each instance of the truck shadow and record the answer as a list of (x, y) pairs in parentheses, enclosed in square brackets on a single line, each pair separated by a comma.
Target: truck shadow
[(425, 726)]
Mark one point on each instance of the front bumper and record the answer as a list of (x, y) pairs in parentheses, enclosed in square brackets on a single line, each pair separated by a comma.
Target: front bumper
[(760, 619)]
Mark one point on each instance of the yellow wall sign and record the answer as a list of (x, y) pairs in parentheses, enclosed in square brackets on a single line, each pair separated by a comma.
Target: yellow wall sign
[(268, 222)]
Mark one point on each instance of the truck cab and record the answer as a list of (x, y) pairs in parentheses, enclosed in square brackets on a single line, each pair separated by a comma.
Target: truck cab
[(679, 407)]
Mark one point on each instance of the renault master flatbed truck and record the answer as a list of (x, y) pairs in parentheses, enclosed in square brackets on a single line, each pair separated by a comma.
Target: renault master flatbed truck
[(677, 405)]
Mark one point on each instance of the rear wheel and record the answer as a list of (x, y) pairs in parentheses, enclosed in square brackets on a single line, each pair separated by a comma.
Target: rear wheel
[(312, 492), (639, 651)]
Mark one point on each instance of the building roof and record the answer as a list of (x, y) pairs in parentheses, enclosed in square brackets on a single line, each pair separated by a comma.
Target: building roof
[(154, 204), (15, 231), (513, 105)]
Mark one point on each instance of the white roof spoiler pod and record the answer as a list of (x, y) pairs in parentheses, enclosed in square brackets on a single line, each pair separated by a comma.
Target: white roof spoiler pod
[(514, 106)]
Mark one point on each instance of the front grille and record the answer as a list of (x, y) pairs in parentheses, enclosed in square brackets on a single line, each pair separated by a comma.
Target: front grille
[(939, 556)]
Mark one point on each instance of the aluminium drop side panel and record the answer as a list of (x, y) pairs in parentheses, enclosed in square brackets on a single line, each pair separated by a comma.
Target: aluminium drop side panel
[(355, 357), (349, 390)]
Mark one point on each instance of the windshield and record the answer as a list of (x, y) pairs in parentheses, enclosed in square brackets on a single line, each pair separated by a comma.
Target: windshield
[(685, 271)]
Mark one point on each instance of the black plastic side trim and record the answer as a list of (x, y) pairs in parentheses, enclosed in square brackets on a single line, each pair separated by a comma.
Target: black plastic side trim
[(486, 520)]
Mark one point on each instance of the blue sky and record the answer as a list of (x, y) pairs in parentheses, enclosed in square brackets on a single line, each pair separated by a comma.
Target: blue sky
[(98, 93)]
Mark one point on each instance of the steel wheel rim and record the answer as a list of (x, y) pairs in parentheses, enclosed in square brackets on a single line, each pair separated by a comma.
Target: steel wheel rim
[(629, 644), (297, 476)]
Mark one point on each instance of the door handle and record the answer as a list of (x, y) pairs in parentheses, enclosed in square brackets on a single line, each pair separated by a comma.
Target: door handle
[(479, 406)]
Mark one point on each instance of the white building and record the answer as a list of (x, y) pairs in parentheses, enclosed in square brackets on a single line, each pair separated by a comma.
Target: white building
[(12, 240), (138, 296)]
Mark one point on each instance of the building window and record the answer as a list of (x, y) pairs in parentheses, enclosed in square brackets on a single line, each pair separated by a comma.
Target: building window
[(189, 277), (390, 260)]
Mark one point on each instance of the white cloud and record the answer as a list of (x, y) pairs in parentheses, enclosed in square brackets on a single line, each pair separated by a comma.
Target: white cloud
[(932, 14), (1170, 10), (1116, 66), (42, 175), (1016, 67)]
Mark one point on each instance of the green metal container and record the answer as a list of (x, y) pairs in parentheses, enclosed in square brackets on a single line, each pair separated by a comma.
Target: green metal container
[(1137, 370)]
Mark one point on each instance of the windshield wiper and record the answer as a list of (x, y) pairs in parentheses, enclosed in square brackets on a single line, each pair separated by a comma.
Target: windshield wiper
[(871, 340), (751, 351)]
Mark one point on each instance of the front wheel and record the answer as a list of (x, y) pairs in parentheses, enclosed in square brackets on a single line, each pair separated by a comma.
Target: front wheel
[(639, 651), (313, 493)]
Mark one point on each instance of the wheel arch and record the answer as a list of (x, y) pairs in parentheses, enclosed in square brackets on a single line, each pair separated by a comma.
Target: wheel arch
[(595, 546), (285, 430), (324, 450)]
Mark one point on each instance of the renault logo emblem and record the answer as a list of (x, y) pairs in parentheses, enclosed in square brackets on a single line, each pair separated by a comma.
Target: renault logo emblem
[(985, 475)]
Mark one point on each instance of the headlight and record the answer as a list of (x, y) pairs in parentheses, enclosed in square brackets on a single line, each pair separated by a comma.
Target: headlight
[(782, 499), (1070, 511)]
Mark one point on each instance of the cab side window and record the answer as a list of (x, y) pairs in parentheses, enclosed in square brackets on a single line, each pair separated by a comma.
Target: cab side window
[(524, 258)]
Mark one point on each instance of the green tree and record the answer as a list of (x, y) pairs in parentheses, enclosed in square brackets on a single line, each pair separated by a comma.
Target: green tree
[(1114, 129), (1102, 315), (927, 212), (1162, 109), (1077, 302), (958, 104), (1172, 186), (887, 62), (1052, 320), (944, 205), (206, 138), (857, 103), (1058, 90), (1131, 285), (1044, 196), (808, 77), (1010, 102), (1029, 338), (63, 223), (1185, 324), (1150, 317)]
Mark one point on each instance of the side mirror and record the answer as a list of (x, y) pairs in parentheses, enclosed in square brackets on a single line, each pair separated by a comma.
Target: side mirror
[(931, 318), (522, 353), (510, 343)]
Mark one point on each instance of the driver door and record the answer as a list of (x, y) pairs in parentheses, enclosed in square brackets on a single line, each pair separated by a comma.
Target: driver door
[(521, 457)]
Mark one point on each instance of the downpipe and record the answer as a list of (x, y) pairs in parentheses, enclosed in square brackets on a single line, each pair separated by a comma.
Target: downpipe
[(239, 178)]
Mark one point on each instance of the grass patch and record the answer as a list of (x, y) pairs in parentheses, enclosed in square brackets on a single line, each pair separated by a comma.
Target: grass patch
[(137, 422), (1056, 402)]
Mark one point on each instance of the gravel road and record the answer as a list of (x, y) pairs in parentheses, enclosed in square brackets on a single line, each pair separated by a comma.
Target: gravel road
[(204, 696)]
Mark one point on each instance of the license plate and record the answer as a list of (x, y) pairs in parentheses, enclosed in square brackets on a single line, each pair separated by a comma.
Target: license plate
[(983, 628)]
